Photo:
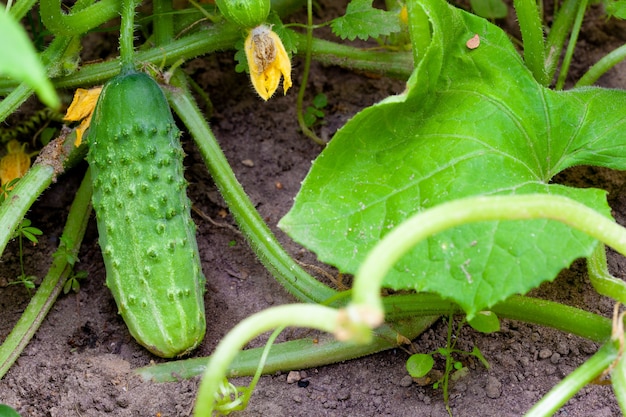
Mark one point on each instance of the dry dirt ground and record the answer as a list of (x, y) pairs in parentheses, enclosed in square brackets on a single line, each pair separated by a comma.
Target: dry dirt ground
[(81, 361)]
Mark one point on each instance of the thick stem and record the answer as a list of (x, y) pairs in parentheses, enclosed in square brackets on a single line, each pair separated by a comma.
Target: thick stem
[(407, 315), (52, 284), (127, 36), (297, 354), (23, 195), (163, 22), (261, 239), (223, 37), (78, 22), (532, 36), (56, 156)]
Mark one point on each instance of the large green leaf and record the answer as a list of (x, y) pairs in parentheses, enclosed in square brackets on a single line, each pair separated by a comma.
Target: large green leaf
[(19, 60), (472, 122)]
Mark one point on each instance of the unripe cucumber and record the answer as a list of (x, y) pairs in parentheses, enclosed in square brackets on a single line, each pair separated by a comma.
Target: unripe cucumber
[(245, 13), (145, 228)]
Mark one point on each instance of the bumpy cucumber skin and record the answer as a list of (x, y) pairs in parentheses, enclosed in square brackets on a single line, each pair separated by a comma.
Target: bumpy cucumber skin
[(145, 228), (245, 13)]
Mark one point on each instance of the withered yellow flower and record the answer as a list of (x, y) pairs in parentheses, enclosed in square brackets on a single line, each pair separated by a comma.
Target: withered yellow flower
[(268, 61), (15, 163), (82, 107)]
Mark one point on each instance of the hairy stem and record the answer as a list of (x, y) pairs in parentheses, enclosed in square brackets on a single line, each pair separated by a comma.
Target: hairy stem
[(127, 36), (261, 239), (36, 180), (80, 21), (532, 36)]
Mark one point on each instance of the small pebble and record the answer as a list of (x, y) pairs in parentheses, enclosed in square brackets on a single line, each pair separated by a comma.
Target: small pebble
[(545, 353), (293, 377), (248, 162), (406, 381), (555, 358), (493, 389), (562, 348), (343, 395)]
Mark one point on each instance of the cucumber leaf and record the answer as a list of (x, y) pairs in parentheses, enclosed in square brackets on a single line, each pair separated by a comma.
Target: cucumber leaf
[(20, 60), (473, 121), (363, 21)]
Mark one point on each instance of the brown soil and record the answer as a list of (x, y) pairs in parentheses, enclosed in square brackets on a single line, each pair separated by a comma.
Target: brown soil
[(81, 361)]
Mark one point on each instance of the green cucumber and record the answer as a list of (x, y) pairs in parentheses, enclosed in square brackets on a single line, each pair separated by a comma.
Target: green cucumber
[(245, 13), (145, 228)]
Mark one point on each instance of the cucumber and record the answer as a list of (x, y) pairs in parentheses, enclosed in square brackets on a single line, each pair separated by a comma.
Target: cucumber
[(146, 233), (245, 13)]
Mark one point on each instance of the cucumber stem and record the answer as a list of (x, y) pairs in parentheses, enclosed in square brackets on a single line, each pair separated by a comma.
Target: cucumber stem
[(127, 36), (262, 241), (532, 36), (82, 19)]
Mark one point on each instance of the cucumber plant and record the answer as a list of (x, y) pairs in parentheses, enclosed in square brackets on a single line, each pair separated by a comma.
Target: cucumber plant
[(143, 213)]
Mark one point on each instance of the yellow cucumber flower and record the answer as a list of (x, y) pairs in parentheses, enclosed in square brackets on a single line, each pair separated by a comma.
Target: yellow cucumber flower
[(268, 61), (82, 107)]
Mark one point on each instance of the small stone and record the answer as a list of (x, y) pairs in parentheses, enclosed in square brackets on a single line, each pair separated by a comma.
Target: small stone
[(493, 389), (562, 348), (549, 369), (406, 381), (293, 377), (343, 395), (555, 358), (248, 162), (545, 353)]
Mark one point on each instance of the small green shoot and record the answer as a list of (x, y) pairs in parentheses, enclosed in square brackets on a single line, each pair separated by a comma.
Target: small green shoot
[(420, 364), (25, 230), (29, 232), (615, 8), (72, 282), (485, 322), (315, 113)]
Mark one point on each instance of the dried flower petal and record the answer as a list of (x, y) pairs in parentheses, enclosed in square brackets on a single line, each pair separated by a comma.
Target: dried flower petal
[(82, 107), (268, 61)]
